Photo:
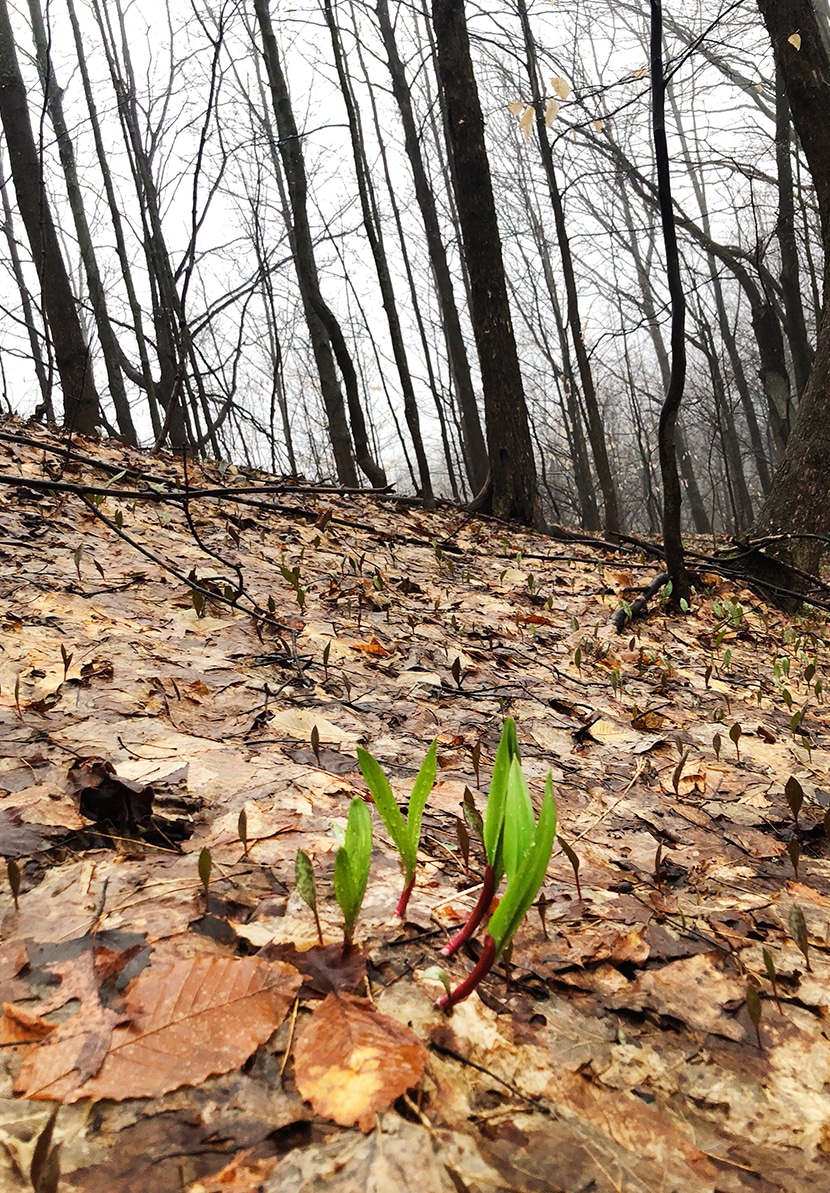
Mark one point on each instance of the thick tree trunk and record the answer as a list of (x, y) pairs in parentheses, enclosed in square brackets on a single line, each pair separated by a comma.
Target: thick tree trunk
[(80, 399), (800, 348), (512, 464), (797, 503)]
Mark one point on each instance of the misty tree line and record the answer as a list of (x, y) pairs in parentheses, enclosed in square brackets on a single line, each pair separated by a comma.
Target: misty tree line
[(291, 237)]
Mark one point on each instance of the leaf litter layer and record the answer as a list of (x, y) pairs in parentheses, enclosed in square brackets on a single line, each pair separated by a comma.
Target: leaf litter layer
[(661, 1021)]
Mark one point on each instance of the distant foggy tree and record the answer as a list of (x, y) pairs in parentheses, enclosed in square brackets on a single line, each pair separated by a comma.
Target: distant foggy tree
[(80, 399)]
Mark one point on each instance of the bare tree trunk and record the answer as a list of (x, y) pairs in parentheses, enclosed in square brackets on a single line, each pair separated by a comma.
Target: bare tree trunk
[(432, 379), (80, 400), (596, 430), (374, 234), (512, 465), (474, 446), (43, 375), (106, 333), (325, 332), (797, 503), (800, 349), (672, 535), (142, 377)]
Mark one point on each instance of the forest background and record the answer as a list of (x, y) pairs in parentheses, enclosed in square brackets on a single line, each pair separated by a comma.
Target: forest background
[(299, 300)]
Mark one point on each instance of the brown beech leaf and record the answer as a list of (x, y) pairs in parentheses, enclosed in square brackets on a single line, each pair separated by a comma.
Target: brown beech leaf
[(188, 1020), (350, 1061)]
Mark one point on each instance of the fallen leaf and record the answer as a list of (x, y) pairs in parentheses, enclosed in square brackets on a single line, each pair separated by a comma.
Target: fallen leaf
[(325, 969), (196, 1017), (350, 1061)]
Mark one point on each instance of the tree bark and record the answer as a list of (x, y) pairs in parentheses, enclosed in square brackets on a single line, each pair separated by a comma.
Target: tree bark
[(510, 448), (797, 503), (672, 536), (81, 411), (106, 332), (475, 448), (374, 234)]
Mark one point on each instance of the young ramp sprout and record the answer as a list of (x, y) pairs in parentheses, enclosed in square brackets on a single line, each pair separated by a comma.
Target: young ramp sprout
[(493, 830), (406, 834), (351, 867), (526, 850)]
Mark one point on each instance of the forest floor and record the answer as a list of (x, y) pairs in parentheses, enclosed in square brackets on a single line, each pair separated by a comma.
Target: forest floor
[(634, 1043)]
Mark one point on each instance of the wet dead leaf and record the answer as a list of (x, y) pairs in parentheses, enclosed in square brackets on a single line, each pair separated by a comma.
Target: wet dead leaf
[(351, 1062), (200, 1016)]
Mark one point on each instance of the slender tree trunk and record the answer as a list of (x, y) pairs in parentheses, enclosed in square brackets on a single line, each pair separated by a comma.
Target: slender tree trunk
[(325, 332), (43, 375), (374, 235), (80, 400), (586, 498), (475, 449), (106, 333), (142, 376), (596, 430), (800, 349), (696, 177), (403, 246), (672, 535), (700, 518), (512, 465)]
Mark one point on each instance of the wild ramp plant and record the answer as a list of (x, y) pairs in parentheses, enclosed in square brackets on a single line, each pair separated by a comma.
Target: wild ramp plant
[(525, 847), (406, 834), (492, 835)]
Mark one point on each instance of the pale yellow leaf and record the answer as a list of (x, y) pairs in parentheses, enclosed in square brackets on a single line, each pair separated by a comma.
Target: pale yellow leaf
[(551, 112), (561, 87), (526, 122), (350, 1062), (598, 126), (639, 73), (516, 107), (795, 40)]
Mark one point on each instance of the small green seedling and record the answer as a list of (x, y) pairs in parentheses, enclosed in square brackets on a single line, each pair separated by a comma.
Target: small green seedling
[(794, 795), (753, 1007), (769, 966), (794, 851), (13, 872), (351, 867), (406, 834), (315, 742), (798, 929), (492, 830), (205, 867), (526, 848), (307, 888), (574, 860), (735, 734), (242, 831)]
